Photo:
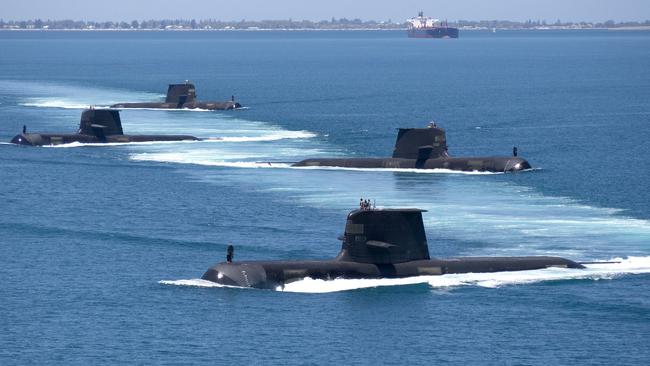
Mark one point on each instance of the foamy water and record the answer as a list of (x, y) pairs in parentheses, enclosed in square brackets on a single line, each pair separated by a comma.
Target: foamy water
[(482, 208), (162, 157), (279, 135), (67, 96), (55, 103), (483, 215)]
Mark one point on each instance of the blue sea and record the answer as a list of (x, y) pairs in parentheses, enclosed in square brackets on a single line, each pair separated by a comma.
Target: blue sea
[(103, 247)]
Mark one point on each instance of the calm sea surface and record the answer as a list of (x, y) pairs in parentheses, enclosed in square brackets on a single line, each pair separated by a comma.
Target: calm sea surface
[(102, 246)]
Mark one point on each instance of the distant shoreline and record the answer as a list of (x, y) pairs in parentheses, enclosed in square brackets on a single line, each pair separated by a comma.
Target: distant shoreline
[(541, 29), (333, 24)]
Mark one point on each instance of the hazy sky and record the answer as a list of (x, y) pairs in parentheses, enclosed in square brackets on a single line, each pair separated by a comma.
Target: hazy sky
[(566, 10)]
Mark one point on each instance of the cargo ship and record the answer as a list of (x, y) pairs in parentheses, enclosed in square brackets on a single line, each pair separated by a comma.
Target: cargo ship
[(425, 27)]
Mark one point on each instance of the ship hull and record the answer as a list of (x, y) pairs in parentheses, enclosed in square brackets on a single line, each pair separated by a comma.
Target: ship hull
[(481, 164), (38, 139), (213, 106), (438, 32), (273, 274)]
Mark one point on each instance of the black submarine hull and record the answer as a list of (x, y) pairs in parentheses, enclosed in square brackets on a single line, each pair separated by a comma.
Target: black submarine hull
[(212, 106), (182, 96), (481, 164), (96, 126), (274, 274), (377, 243), (424, 148), (38, 139)]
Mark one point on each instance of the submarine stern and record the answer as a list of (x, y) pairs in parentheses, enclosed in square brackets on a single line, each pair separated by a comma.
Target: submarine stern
[(505, 264)]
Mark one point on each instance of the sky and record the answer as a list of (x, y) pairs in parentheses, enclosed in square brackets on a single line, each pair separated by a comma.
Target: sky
[(518, 10)]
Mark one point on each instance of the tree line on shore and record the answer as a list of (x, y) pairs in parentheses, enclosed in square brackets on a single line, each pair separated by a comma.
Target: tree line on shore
[(343, 23)]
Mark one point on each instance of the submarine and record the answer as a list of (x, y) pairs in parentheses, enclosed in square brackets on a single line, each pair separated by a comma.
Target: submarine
[(377, 243), (96, 126), (182, 96), (424, 148)]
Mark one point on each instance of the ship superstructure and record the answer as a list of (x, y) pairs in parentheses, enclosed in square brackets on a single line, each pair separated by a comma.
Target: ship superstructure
[(427, 27)]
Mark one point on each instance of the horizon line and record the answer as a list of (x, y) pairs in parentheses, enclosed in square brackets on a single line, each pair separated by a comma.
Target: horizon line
[(331, 20)]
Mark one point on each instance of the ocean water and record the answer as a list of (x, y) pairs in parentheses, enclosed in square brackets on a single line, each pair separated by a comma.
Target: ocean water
[(103, 246)]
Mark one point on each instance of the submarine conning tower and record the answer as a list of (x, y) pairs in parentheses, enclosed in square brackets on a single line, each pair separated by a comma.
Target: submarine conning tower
[(421, 143), (100, 122), (384, 236), (181, 93)]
